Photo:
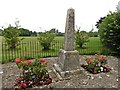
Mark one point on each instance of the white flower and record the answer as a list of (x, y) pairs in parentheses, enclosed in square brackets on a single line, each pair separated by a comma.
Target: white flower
[(98, 71), (99, 64), (101, 68), (26, 71)]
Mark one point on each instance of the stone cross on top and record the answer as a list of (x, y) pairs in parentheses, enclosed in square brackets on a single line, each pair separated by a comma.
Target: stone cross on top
[(69, 31)]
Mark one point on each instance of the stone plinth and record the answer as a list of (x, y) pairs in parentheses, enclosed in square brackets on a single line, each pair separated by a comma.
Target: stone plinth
[(67, 63)]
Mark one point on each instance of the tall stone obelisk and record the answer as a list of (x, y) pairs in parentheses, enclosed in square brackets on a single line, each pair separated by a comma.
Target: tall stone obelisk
[(69, 31), (68, 59)]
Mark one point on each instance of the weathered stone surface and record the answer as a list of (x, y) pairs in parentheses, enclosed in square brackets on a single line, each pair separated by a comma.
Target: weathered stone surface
[(75, 82), (69, 31), (68, 59)]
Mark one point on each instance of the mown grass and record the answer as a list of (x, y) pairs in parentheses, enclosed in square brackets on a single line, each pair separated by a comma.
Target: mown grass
[(92, 46), (31, 48)]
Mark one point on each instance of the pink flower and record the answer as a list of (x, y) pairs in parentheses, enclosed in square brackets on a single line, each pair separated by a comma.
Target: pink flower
[(100, 58), (30, 61), (25, 63), (96, 54), (18, 60), (42, 60)]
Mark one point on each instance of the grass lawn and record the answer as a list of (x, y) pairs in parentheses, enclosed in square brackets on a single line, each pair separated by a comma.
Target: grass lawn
[(93, 46), (30, 48)]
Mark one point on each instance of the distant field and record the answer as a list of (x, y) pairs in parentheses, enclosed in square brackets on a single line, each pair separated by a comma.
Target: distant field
[(34, 38), (30, 48)]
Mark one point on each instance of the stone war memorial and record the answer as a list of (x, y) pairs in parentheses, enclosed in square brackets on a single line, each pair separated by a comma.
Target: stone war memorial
[(68, 69), (68, 59)]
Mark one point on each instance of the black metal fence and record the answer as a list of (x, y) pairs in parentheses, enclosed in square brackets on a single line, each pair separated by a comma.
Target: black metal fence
[(30, 49), (33, 49)]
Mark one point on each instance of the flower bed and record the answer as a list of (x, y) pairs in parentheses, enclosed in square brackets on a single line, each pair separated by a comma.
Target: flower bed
[(97, 64), (34, 73)]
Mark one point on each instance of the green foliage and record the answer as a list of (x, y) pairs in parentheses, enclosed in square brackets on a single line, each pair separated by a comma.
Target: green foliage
[(11, 36), (93, 34), (1, 32), (96, 62), (26, 32), (100, 21), (56, 32), (46, 39), (109, 30), (33, 71), (33, 66), (81, 38), (53, 30)]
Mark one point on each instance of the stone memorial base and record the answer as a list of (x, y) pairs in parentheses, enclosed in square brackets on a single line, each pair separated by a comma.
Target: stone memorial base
[(67, 63)]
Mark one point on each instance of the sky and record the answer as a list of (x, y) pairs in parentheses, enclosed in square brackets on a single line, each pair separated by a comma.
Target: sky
[(41, 15)]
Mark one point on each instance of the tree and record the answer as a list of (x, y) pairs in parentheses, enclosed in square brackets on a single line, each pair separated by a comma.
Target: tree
[(90, 33), (81, 38), (53, 30), (11, 35), (100, 21), (60, 34), (93, 33), (26, 32), (109, 30)]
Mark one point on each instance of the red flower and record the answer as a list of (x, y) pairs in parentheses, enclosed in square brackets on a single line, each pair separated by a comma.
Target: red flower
[(42, 60), (30, 61), (96, 54), (25, 63), (18, 60), (100, 58), (22, 85)]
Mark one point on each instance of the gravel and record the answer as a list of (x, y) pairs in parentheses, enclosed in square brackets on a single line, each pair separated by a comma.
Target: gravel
[(84, 80)]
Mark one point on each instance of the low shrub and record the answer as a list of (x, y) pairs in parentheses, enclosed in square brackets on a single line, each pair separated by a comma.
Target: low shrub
[(46, 39)]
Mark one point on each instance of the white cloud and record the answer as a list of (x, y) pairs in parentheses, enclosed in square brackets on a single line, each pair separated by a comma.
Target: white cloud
[(49, 14)]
